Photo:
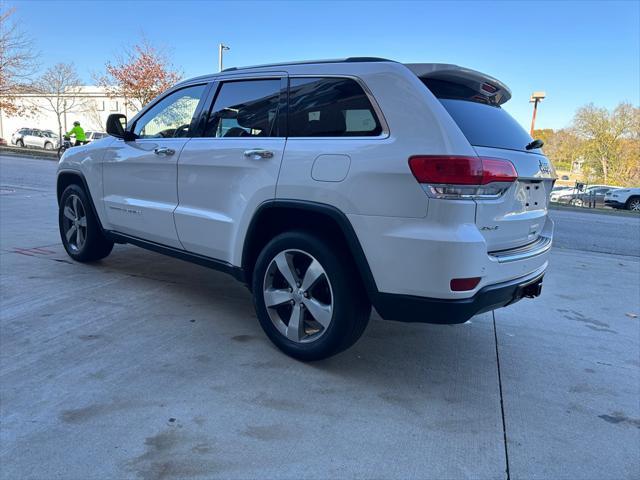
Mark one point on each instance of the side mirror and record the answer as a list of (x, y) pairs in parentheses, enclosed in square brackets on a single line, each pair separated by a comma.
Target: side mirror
[(116, 127)]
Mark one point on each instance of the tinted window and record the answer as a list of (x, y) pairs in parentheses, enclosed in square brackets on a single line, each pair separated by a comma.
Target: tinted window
[(245, 109), (171, 116), (487, 125), (330, 107)]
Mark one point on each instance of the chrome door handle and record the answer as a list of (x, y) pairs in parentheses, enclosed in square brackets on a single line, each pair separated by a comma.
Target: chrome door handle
[(164, 151), (258, 153)]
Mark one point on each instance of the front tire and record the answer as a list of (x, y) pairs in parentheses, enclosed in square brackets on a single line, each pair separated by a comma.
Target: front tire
[(48, 146), (80, 231), (633, 204), (308, 296)]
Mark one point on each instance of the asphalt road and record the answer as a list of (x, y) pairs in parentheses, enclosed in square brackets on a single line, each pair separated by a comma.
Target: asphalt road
[(143, 366)]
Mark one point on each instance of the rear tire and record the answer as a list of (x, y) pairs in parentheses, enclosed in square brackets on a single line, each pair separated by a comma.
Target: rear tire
[(19, 143), (317, 304), (80, 230)]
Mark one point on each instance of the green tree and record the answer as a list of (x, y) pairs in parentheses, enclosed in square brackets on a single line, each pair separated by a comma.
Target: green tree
[(561, 146), (610, 141)]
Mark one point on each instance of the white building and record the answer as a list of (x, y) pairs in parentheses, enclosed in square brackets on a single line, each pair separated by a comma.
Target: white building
[(91, 107)]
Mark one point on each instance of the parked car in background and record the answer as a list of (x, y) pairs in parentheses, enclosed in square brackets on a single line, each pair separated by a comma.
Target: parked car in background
[(16, 138), (91, 135), (34, 137), (574, 196), (590, 197), (45, 139), (3, 142), (627, 198)]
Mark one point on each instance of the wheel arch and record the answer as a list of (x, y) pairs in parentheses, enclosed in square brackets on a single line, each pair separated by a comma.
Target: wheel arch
[(631, 199), (276, 216), (69, 177)]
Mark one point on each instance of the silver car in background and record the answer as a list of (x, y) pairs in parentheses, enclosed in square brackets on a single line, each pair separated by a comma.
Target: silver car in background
[(34, 137)]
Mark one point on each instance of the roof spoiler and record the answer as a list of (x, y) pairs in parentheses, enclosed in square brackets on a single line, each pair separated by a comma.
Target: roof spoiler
[(492, 90)]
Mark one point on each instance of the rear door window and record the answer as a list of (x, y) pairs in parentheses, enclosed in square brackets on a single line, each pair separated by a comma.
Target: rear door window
[(330, 107)]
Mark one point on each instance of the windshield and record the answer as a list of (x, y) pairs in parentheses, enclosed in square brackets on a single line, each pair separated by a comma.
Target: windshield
[(486, 125)]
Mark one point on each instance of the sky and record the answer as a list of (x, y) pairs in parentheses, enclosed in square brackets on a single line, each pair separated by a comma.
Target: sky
[(577, 52)]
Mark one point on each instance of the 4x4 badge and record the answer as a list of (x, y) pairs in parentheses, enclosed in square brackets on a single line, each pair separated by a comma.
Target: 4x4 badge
[(544, 167)]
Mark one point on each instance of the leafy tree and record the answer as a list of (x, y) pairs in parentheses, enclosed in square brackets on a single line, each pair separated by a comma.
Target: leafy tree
[(143, 73), (610, 140), (561, 146)]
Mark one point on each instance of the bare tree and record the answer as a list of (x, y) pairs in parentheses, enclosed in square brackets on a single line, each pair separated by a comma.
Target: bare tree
[(95, 117), (18, 62), (59, 90), (143, 73)]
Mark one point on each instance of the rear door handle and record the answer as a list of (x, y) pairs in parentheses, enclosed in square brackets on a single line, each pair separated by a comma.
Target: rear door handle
[(164, 151), (258, 153)]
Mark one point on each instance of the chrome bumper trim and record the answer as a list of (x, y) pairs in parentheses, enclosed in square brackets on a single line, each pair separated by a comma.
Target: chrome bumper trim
[(538, 247)]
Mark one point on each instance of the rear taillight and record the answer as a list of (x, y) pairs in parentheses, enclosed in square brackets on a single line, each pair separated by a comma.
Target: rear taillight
[(462, 177)]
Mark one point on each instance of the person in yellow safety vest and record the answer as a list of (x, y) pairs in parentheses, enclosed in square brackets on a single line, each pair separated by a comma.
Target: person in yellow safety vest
[(78, 131)]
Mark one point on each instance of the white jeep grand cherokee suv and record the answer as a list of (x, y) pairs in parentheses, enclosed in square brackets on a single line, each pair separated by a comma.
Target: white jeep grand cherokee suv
[(326, 187)]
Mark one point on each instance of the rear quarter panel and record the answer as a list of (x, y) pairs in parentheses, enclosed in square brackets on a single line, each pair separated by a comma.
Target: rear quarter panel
[(379, 181)]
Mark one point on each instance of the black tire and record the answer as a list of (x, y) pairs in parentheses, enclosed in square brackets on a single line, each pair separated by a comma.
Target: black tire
[(19, 143), (633, 204), (350, 306), (48, 146), (95, 245)]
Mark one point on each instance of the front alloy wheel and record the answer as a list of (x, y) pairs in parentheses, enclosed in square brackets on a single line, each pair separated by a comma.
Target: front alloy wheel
[(298, 296), (80, 230), (74, 223)]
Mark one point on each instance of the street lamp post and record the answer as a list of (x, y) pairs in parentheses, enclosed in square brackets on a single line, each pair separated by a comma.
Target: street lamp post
[(221, 48), (536, 97)]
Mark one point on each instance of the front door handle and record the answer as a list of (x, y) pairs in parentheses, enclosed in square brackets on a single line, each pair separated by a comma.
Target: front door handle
[(164, 151), (258, 153)]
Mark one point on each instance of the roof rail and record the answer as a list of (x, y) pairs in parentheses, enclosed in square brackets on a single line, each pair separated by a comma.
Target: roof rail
[(308, 62)]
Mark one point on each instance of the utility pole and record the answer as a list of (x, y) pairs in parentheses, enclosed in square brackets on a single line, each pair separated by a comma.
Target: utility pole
[(221, 48), (536, 97)]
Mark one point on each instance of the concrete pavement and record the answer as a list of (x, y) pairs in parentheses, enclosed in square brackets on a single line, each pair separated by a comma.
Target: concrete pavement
[(142, 366)]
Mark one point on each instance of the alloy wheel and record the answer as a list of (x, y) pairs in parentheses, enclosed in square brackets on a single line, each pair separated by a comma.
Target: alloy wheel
[(635, 205), (74, 223), (298, 296)]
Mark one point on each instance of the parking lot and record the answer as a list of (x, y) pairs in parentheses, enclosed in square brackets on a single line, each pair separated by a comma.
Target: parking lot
[(143, 366)]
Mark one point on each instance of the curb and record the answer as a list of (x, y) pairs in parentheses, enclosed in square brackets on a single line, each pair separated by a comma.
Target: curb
[(30, 153)]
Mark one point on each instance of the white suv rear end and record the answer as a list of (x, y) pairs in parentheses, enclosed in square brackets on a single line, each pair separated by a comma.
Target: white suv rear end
[(326, 187)]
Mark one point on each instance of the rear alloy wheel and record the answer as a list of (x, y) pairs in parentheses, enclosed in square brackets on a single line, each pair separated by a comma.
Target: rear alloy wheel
[(298, 296), (577, 202), (309, 298), (20, 143), (79, 229), (634, 204)]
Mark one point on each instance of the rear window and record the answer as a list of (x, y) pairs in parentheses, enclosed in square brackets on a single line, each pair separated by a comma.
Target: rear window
[(487, 125), (330, 107)]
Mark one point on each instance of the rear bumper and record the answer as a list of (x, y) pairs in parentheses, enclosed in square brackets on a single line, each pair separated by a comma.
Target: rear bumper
[(409, 308)]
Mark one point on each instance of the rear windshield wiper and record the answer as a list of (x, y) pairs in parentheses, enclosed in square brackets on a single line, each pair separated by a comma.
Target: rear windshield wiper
[(534, 144)]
